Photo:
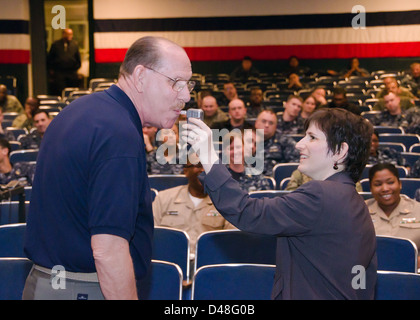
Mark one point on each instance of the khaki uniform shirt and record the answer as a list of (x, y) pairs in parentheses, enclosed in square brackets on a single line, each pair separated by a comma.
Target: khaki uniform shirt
[(174, 208), (403, 222)]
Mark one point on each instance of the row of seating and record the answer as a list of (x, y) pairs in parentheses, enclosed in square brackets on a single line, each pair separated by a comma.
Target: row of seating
[(224, 272)]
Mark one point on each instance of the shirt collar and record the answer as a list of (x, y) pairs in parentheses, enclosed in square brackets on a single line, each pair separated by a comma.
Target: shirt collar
[(121, 97)]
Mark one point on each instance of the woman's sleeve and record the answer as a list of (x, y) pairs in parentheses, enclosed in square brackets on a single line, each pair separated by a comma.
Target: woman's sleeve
[(287, 215)]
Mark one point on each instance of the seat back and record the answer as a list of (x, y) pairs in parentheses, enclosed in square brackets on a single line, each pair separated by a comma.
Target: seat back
[(11, 240), (396, 254), (283, 170), (13, 274), (234, 246), (408, 139), (233, 282), (391, 285), (172, 245), (23, 155), (162, 282), (9, 212), (165, 181)]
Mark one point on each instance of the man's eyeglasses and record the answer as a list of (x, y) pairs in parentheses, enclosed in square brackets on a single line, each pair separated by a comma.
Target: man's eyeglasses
[(178, 84), (198, 165)]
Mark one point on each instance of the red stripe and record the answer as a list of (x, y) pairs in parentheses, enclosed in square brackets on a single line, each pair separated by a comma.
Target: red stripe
[(15, 56), (317, 51)]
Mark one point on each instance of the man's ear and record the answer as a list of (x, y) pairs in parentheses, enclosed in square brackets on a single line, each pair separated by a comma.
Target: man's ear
[(138, 77)]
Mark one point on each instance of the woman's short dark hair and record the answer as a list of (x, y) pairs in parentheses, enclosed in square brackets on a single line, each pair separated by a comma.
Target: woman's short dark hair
[(383, 166), (341, 126)]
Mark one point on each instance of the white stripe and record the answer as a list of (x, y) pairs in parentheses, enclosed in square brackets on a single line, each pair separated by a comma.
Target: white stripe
[(135, 9), (15, 42), (408, 33)]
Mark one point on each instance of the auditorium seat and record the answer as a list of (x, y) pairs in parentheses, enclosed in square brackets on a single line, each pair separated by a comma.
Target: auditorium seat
[(408, 139), (163, 281), (283, 170), (26, 155), (233, 282), (172, 245), (393, 285), (165, 181), (396, 254), (228, 246), (11, 240), (13, 274)]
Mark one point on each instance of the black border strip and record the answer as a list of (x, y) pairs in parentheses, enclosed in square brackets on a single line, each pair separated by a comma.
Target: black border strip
[(14, 27), (308, 21)]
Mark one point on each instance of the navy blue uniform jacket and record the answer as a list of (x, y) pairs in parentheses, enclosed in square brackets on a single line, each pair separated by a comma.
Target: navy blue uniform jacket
[(325, 235)]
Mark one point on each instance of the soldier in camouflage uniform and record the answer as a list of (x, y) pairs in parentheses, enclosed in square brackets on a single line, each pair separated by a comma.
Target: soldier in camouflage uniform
[(384, 154), (166, 158), (290, 122), (248, 180), (394, 116), (34, 138), (278, 148), (22, 171)]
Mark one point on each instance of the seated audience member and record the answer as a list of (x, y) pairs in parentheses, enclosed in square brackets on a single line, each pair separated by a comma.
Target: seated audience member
[(278, 148), (294, 82), (295, 67), (355, 69), (212, 112), (391, 85), (4, 133), (244, 71), (392, 214), (188, 208), (339, 100), (165, 159), (298, 178), (237, 115), (229, 93), (237, 166), (412, 79), (8, 102), (393, 115), (308, 106), (405, 103), (22, 171), (25, 120), (33, 139), (290, 121), (380, 154), (320, 95), (149, 137), (255, 104)]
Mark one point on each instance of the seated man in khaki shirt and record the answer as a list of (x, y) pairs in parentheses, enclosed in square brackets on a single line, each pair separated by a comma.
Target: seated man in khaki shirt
[(188, 208)]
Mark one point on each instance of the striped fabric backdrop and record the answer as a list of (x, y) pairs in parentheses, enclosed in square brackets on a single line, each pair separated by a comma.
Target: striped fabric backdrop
[(229, 33), (15, 44)]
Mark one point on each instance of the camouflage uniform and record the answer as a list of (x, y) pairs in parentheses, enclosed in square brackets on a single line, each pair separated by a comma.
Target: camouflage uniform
[(31, 140), (290, 127), (415, 170), (279, 149), (387, 155), (22, 171), (156, 164), (405, 119), (250, 182)]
